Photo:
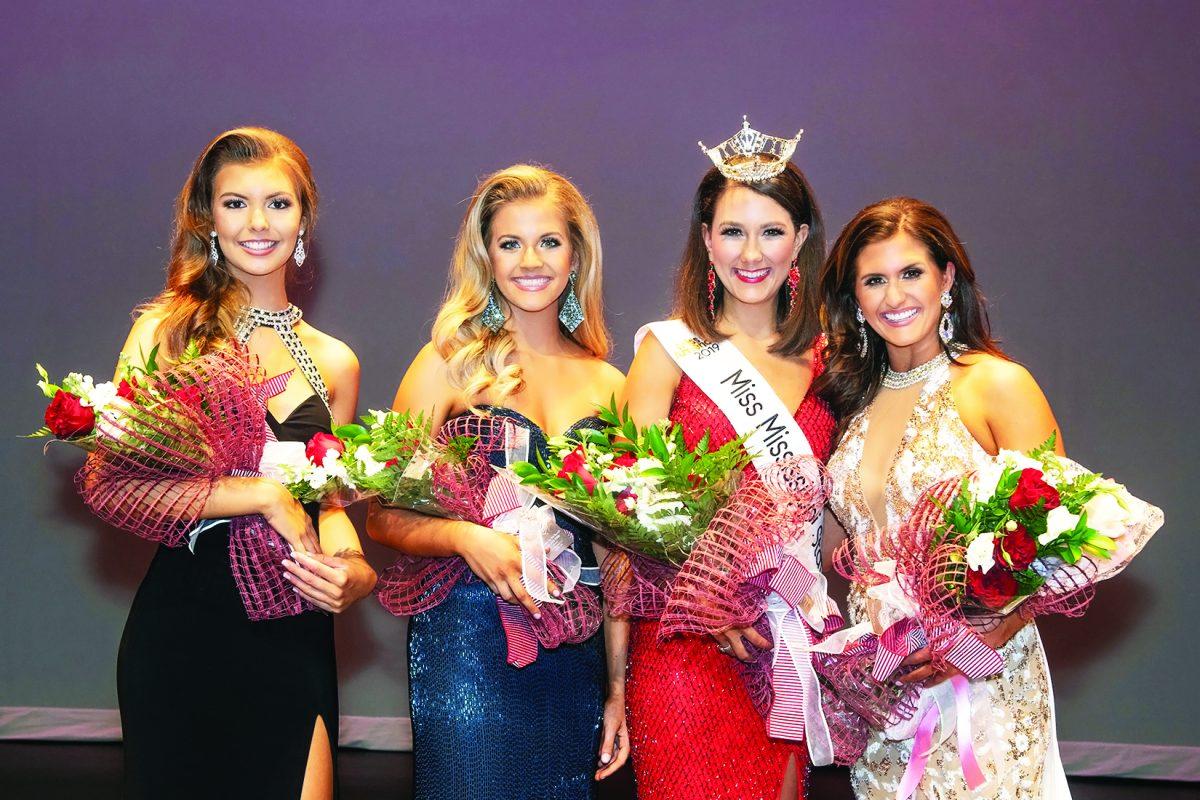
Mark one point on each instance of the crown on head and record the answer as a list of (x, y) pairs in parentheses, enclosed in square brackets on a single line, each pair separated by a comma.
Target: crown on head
[(751, 156)]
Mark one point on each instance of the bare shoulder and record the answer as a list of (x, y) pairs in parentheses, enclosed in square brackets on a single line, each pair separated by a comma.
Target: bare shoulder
[(993, 380), (142, 337), (604, 377), (650, 386), (426, 386), (334, 357)]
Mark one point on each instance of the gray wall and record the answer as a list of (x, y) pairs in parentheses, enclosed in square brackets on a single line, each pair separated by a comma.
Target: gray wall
[(1060, 139)]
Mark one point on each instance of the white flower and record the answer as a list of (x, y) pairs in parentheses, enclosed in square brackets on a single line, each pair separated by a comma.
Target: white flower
[(1106, 514), (284, 461), (108, 420), (317, 477), (1019, 461), (101, 396), (649, 462), (1058, 522), (983, 482), (369, 465), (980, 552), (380, 418)]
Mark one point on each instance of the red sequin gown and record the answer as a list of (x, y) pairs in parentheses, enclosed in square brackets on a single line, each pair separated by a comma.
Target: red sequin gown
[(694, 731)]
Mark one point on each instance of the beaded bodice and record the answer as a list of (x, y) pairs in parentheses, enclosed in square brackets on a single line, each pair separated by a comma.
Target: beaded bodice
[(935, 445)]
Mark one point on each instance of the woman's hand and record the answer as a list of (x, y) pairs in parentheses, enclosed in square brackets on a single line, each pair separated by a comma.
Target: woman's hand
[(496, 559), (733, 642), (996, 638), (333, 583), (289, 519), (614, 736)]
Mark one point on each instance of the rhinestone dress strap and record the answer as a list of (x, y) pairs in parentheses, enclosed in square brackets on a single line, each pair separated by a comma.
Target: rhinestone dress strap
[(284, 323)]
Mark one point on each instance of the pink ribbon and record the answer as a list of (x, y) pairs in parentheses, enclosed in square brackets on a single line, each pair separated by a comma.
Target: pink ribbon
[(923, 742)]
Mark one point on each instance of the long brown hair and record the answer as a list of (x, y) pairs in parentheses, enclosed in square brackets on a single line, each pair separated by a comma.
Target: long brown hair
[(202, 300), (797, 327), (851, 381)]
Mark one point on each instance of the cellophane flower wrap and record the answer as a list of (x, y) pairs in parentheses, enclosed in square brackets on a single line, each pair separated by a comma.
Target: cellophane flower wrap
[(158, 443), (453, 477), (1031, 533), (703, 545)]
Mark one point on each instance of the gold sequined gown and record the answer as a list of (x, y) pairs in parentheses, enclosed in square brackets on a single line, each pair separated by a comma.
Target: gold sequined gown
[(1013, 712)]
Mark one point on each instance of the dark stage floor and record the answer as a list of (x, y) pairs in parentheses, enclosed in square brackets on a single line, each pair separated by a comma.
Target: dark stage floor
[(45, 771)]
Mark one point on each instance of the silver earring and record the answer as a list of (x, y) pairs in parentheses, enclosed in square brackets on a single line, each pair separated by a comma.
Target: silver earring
[(492, 317), (946, 326), (214, 255), (862, 332), (571, 313), (300, 254)]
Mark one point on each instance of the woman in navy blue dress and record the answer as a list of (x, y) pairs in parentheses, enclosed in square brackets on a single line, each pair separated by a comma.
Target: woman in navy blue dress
[(520, 335)]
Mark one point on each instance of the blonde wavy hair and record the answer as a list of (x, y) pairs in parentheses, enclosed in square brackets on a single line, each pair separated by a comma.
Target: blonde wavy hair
[(475, 356), (202, 301)]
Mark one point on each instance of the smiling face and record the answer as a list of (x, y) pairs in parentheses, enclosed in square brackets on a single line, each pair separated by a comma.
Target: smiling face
[(530, 251), (752, 243), (898, 286), (257, 216)]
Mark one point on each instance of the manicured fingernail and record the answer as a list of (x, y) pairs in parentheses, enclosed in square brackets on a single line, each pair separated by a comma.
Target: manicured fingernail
[(287, 563), (537, 616), (605, 758)]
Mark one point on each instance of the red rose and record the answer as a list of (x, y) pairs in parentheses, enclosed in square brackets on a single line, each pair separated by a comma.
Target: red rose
[(623, 504), (188, 395), (391, 462), (67, 417), (1018, 545), (576, 464), (994, 588), (125, 388), (626, 459), (320, 445), (1031, 490)]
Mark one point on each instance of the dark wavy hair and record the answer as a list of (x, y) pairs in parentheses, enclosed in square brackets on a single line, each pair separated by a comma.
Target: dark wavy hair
[(797, 327), (202, 301), (851, 381)]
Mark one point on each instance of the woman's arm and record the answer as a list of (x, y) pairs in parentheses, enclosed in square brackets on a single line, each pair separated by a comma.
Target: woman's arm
[(338, 575), (651, 383), (614, 734), (494, 557)]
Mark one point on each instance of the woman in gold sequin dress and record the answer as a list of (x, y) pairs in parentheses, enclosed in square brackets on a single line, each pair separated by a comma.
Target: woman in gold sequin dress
[(924, 393)]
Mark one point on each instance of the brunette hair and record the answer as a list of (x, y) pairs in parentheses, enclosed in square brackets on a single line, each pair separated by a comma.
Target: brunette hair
[(202, 300), (799, 326), (475, 355), (851, 381)]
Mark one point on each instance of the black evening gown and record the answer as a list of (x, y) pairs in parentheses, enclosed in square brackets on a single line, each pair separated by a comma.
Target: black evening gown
[(212, 704)]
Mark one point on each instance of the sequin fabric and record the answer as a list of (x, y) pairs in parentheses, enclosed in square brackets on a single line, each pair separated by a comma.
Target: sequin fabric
[(485, 730), (694, 730), (1012, 714)]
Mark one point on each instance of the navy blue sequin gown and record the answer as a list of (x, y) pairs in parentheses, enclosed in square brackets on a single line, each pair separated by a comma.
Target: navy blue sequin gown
[(485, 730)]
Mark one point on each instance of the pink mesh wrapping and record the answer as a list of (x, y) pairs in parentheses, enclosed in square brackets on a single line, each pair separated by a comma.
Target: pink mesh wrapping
[(158, 457), (414, 584)]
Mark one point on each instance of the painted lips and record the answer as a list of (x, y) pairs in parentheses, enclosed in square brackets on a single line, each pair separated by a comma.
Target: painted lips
[(752, 275), (259, 247)]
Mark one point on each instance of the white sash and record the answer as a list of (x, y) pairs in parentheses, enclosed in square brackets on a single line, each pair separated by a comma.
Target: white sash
[(742, 394)]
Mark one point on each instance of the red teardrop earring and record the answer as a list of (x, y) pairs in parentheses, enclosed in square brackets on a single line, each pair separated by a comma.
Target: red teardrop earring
[(793, 282), (712, 292)]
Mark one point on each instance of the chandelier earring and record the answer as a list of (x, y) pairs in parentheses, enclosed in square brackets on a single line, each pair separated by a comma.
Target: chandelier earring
[(793, 283), (492, 317), (712, 292), (862, 332), (300, 253), (571, 313), (214, 255), (946, 326)]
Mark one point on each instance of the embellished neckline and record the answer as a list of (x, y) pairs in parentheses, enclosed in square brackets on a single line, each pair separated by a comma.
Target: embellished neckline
[(919, 373)]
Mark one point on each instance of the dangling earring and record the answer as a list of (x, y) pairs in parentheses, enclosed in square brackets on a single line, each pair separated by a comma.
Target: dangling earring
[(492, 317), (946, 326), (793, 285), (862, 332), (712, 292), (571, 313), (300, 254), (214, 255)]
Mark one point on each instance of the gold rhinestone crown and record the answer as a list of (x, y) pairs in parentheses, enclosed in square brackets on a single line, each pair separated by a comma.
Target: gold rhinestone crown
[(750, 156)]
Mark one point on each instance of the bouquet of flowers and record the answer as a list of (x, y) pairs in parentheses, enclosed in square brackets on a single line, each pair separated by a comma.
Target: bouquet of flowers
[(452, 476), (159, 440), (1032, 533), (642, 489)]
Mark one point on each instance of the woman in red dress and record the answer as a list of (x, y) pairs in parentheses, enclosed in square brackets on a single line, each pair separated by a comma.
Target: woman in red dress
[(748, 277)]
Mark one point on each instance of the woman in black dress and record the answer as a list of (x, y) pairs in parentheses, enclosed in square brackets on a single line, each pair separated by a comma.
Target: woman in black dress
[(213, 704)]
